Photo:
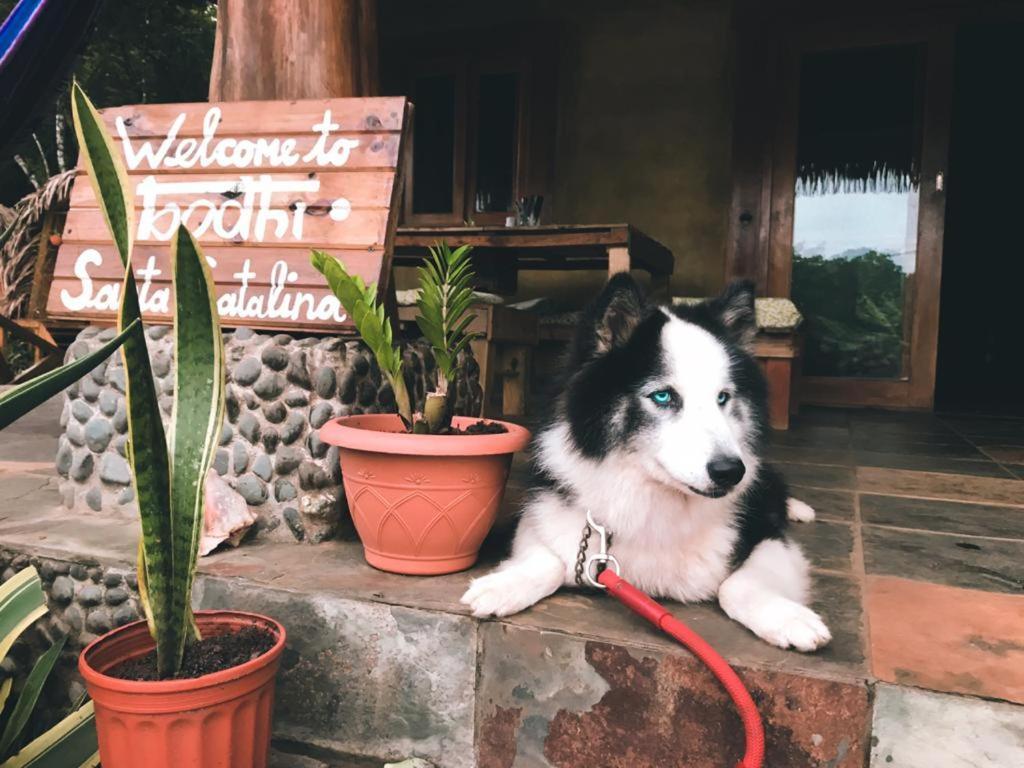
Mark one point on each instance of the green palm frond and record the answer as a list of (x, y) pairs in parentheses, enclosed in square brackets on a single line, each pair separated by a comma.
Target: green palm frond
[(446, 293)]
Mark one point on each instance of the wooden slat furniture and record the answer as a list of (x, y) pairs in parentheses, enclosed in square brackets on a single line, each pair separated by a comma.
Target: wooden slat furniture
[(610, 247), (504, 353)]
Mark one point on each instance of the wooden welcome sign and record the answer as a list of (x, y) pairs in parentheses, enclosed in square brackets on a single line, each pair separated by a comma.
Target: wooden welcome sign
[(259, 184)]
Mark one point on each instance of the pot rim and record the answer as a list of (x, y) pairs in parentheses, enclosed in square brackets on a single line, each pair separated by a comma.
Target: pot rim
[(94, 677), (377, 433)]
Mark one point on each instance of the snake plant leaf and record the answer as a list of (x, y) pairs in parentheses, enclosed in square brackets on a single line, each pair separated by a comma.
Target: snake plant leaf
[(106, 171), (196, 422), (21, 602), (147, 444), (19, 400), (29, 696), (72, 743)]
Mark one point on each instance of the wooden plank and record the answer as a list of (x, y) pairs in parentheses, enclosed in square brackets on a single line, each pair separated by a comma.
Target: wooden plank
[(256, 229), (362, 152), (371, 189), (238, 118), (618, 260)]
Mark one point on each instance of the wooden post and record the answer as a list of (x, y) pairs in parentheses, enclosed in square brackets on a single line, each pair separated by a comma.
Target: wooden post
[(294, 49)]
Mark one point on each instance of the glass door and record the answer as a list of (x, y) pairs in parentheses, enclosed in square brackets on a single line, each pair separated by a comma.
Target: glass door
[(858, 201)]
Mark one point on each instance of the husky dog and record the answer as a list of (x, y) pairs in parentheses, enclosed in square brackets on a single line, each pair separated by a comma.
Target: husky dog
[(657, 432)]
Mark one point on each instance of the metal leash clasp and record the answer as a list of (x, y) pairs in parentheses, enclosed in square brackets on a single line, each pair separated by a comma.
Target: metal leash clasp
[(602, 558)]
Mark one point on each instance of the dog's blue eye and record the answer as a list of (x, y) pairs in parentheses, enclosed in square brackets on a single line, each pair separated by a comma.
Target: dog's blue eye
[(724, 397), (661, 397)]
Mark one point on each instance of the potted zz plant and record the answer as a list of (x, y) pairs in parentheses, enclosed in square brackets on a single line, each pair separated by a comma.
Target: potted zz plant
[(423, 489), (179, 688)]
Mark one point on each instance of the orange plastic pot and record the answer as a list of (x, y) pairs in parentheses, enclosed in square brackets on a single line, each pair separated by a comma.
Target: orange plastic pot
[(422, 504), (220, 720)]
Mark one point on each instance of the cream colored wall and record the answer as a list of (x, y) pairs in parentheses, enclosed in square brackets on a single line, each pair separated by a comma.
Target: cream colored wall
[(645, 102)]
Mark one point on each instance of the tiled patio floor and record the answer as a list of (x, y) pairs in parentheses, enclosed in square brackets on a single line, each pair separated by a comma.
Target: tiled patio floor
[(925, 516), (919, 564)]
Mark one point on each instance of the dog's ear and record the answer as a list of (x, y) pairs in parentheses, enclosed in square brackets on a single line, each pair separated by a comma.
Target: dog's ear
[(735, 310), (610, 320)]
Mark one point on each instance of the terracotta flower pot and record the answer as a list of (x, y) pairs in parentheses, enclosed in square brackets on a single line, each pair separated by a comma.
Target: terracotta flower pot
[(220, 720), (422, 504)]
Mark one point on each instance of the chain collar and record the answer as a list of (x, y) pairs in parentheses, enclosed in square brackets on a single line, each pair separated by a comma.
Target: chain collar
[(601, 559)]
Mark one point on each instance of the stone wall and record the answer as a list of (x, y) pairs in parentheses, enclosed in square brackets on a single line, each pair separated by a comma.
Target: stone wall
[(280, 391), (85, 600)]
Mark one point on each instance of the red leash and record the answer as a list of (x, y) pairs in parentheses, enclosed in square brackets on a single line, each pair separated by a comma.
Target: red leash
[(642, 605)]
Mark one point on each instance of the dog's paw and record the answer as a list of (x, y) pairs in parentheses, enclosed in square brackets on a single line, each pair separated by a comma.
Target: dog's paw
[(790, 625), (501, 593), (799, 511)]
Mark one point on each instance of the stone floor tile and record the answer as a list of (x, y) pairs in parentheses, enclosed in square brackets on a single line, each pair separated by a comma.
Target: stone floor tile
[(828, 505), (827, 545), (935, 485), (943, 516), (919, 729), (552, 699), (817, 476), (946, 638), (978, 467), (995, 565), (778, 452), (1005, 454)]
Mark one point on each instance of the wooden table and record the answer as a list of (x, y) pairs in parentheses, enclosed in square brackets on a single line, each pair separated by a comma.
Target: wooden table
[(501, 252)]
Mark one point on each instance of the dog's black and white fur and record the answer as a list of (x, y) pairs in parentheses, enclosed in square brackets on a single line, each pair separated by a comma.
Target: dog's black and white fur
[(658, 432)]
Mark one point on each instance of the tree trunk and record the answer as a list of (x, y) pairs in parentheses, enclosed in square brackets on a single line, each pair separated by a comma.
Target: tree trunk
[(294, 49)]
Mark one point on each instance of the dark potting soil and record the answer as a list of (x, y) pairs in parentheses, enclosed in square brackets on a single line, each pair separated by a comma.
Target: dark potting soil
[(213, 653), (478, 428)]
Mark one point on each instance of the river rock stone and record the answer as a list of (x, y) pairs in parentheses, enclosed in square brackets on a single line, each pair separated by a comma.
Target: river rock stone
[(317, 447), (288, 460), (247, 371), (90, 389), (220, 462), (81, 411), (108, 401), (94, 498), (262, 467), (294, 522), (63, 590), (126, 496), (275, 358), (99, 621), (295, 398), (161, 363), (116, 379), (249, 427), (81, 466), (239, 458), (269, 386), (275, 412), (98, 432), (64, 456), (252, 489), (226, 433), (90, 595), (270, 439), (120, 420), (324, 381), (284, 490), (320, 414), (114, 469), (116, 596)]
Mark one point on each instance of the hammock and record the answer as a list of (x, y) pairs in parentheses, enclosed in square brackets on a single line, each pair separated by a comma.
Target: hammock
[(38, 42)]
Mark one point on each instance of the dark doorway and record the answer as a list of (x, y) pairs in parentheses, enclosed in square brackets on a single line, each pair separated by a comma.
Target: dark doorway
[(981, 327)]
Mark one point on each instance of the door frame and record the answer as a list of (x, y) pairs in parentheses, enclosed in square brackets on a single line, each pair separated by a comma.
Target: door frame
[(761, 226)]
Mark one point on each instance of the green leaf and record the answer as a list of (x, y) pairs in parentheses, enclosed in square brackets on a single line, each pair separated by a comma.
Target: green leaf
[(196, 424), (71, 742), (367, 314), (107, 173), (29, 696), (147, 444), (19, 400), (446, 294), (21, 602)]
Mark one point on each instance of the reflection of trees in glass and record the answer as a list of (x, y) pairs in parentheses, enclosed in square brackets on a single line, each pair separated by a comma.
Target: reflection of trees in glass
[(854, 312)]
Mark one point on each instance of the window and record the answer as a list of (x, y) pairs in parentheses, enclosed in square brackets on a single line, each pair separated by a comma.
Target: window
[(475, 149)]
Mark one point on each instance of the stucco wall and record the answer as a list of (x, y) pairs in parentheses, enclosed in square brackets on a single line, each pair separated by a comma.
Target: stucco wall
[(645, 101)]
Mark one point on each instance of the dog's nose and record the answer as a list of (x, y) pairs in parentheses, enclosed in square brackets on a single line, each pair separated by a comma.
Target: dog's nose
[(726, 471)]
